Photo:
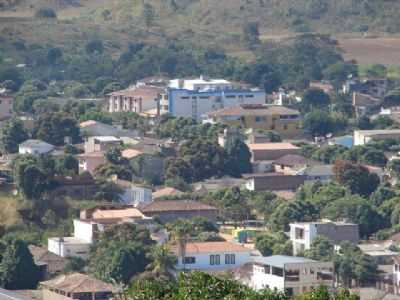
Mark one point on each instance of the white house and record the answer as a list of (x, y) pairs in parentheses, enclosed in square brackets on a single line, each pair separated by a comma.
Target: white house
[(303, 234), (195, 98), (35, 147), (212, 256), (294, 275), (134, 194), (87, 228), (362, 137)]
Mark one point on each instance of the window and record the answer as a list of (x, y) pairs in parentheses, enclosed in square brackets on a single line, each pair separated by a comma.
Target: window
[(194, 97), (249, 96), (272, 127), (184, 98), (230, 96), (229, 259), (214, 260), (267, 269), (204, 97), (277, 271), (259, 119), (285, 127), (299, 233), (292, 275), (189, 260)]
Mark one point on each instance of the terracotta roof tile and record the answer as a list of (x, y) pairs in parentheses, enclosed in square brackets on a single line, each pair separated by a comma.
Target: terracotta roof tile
[(77, 283), (212, 247), (272, 146), (254, 110)]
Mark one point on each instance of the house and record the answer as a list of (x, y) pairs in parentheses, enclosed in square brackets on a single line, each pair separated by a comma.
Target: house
[(396, 274), (271, 151), (364, 104), (6, 107), (283, 120), (196, 97), (101, 143), (96, 128), (166, 192), (375, 87), (12, 295), (35, 147), (131, 153), (363, 137), (134, 194), (273, 181), (292, 164), (321, 173), (170, 210), (214, 184), (290, 274), (89, 162), (49, 263), (78, 187), (324, 86), (90, 224), (211, 256), (303, 234), (76, 286), (136, 99), (381, 251)]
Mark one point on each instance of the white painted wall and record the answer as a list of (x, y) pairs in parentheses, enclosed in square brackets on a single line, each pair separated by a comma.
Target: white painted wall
[(42, 149), (83, 230), (203, 261), (310, 232), (261, 280), (136, 195), (67, 249)]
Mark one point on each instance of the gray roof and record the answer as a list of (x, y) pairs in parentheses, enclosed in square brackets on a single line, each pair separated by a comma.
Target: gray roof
[(281, 260), (319, 170), (34, 143), (9, 295)]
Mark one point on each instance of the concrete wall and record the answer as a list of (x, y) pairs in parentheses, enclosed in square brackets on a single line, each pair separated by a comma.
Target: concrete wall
[(64, 249), (203, 261), (83, 230)]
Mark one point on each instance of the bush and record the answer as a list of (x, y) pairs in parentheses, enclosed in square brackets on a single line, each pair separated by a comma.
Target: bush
[(46, 12)]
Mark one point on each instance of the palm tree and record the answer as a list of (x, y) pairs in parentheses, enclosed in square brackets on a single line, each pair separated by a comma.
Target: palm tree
[(181, 230), (163, 261)]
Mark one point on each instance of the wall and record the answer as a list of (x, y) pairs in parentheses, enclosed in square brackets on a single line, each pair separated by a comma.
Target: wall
[(6, 106), (83, 230), (170, 216), (49, 295), (338, 233), (136, 195), (271, 154), (64, 249), (203, 261), (275, 182)]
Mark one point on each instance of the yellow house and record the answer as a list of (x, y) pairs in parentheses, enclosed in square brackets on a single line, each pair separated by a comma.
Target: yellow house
[(283, 120)]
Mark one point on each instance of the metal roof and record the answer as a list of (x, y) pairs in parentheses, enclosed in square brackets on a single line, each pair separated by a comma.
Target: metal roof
[(281, 260)]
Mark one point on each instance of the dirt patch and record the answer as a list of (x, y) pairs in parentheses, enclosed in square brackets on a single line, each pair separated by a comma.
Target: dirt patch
[(383, 50)]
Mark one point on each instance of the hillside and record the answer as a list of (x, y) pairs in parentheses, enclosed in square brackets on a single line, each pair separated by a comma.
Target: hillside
[(207, 22)]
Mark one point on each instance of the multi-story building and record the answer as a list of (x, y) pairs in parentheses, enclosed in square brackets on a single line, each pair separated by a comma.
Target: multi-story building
[(303, 234), (101, 143), (195, 98), (284, 121), (293, 275), (211, 256), (91, 223), (362, 137), (137, 99)]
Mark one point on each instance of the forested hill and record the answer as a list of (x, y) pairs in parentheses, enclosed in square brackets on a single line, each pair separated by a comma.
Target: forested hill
[(295, 15)]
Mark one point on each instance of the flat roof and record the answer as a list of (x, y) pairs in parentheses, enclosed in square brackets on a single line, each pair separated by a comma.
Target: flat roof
[(378, 131), (107, 138), (281, 260), (69, 240), (272, 146)]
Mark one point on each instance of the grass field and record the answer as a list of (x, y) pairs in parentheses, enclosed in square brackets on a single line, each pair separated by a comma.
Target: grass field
[(8, 207), (367, 51)]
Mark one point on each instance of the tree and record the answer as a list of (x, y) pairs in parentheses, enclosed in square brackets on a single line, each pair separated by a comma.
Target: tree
[(181, 230), (394, 167), (251, 34), (315, 99), (12, 134), (46, 12), (274, 244), (54, 127), (162, 262), (34, 182), (321, 249), (318, 123), (114, 156), (238, 158), (323, 293), (120, 253), (54, 55), (198, 286), (94, 46), (148, 14), (17, 268), (108, 191), (356, 177)]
